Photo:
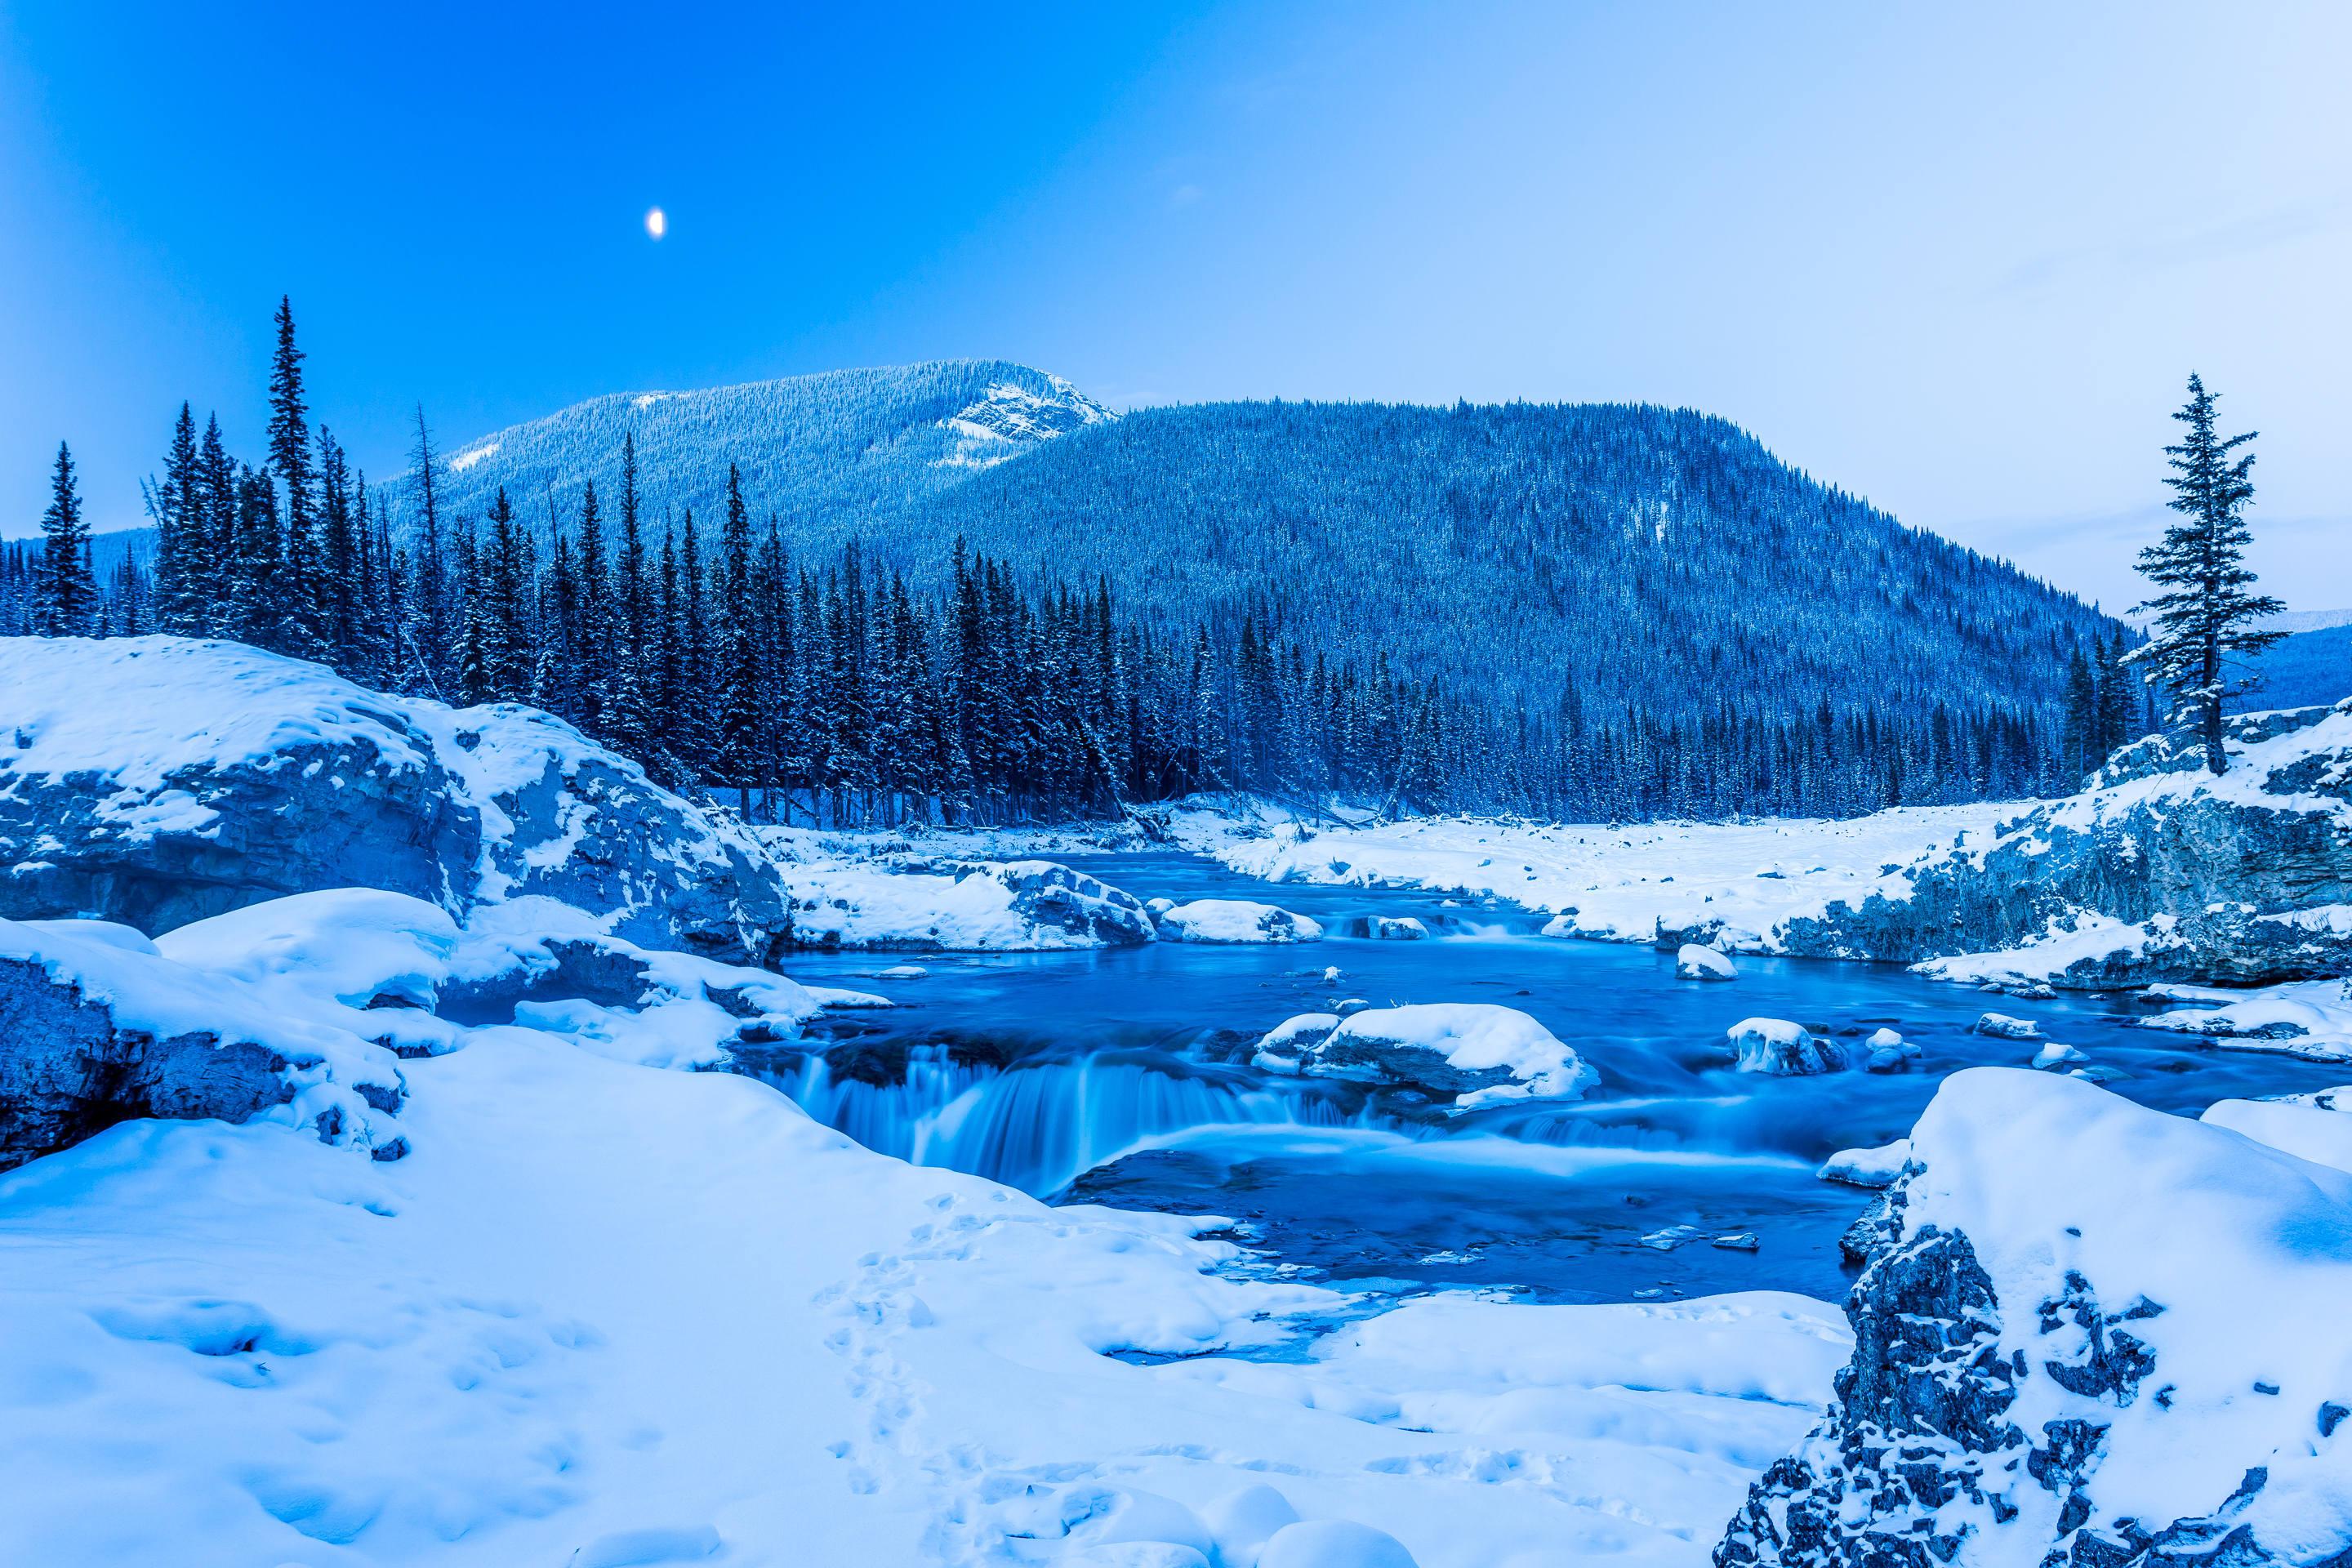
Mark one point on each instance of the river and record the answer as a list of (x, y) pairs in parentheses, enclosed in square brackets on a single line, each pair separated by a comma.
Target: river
[(1121, 1077)]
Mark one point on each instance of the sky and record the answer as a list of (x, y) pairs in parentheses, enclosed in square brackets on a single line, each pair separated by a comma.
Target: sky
[(1957, 260)]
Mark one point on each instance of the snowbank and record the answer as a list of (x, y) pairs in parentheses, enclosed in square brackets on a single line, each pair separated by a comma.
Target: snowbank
[(1479, 1053), (1234, 920), (1732, 883), (2311, 1018)]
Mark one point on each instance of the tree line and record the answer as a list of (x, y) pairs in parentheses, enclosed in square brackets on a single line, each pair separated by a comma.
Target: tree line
[(826, 687)]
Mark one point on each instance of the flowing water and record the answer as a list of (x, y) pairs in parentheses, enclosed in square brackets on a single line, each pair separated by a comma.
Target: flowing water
[(1121, 1076)]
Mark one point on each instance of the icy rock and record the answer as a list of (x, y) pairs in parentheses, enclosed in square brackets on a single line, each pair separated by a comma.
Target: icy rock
[(1333, 1544), (1158, 906), (1672, 1236), (2000, 1026), (1235, 921), (902, 972), (1478, 1052), (2053, 1056), (1868, 1167), (1784, 1049), (1696, 963), (2079, 1365), (1889, 1052), (1739, 1241), (160, 780)]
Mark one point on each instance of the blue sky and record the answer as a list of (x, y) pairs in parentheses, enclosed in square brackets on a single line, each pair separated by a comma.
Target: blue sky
[(1959, 260)]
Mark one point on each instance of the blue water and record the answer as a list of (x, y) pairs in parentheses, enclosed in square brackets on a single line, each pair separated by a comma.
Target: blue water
[(1121, 1076)]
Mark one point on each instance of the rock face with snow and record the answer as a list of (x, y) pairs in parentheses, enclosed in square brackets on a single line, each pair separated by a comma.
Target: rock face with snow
[(2158, 872), (1235, 921), (96, 1026), (1476, 1052), (919, 904), (2086, 1333), (157, 780)]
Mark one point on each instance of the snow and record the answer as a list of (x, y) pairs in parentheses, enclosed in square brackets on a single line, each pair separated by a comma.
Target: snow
[(2320, 1134), (472, 455), (1617, 884), (609, 1313), (1234, 920), (1868, 1167), (2002, 1026), (1696, 963), (848, 892)]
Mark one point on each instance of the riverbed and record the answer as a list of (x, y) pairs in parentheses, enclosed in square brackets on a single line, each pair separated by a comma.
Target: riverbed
[(1121, 1077)]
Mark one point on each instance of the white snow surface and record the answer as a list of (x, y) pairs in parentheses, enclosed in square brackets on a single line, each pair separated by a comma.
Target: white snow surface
[(1618, 884), (845, 893), (1868, 1167), (1696, 963), (609, 1313), (2310, 1018)]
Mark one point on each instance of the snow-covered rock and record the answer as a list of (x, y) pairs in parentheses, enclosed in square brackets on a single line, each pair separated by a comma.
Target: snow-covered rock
[(2310, 1018), (2158, 872), (2087, 1334), (1783, 1048), (160, 780), (94, 1031), (844, 896), (2001, 1026), (2318, 1128), (1234, 920), (1696, 963), (1386, 928), (1478, 1052), (1868, 1167), (2055, 1054), (1884, 1050)]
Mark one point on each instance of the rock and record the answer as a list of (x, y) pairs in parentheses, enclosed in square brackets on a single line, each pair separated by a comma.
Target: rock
[(1739, 1241), (2070, 1312), (2000, 1026), (1385, 928), (1476, 1052), (1696, 963), (1889, 1052), (1868, 1167), (2053, 1056), (1046, 894), (2158, 872), (93, 1032), (157, 780), (1235, 921), (1782, 1048)]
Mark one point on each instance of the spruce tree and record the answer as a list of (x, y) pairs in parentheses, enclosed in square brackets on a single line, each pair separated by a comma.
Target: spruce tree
[(213, 561), (177, 505), (2208, 611), (68, 597)]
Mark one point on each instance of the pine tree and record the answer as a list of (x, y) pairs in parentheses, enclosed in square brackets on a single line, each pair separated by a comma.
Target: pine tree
[(68, 597), (2208, 611), (741, 721), (177, 506), (213, 561), (299, 586)]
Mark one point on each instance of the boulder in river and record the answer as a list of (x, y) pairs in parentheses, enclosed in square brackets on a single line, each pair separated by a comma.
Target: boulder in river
[(1783, 1049), (1477, 1053), (1697, 963), (1235, 922)]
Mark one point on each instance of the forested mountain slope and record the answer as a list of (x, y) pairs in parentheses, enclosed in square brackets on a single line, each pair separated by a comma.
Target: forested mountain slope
[(835, 445)]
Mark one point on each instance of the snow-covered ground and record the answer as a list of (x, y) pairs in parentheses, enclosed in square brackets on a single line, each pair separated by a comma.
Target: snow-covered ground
[(1614, 883), (607, 1312)]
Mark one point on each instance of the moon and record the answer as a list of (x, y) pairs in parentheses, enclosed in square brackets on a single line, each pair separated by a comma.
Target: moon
[(657, 222)]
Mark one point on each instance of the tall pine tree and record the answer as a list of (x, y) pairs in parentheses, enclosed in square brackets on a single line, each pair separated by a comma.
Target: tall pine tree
[(2207, 610), (68, 595)]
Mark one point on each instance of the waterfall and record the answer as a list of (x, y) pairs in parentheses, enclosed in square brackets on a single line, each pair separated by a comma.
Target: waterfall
[(1039, 1127)]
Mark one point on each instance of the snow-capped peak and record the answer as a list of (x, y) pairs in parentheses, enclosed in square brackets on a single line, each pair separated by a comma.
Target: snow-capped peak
[(1007, 419)]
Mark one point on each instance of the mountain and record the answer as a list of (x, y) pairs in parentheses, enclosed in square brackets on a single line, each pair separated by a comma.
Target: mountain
[(1605, 556), (822, 446), (2310, 666)]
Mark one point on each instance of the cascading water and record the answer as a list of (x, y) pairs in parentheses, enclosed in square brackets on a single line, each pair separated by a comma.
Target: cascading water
[(1040, 1126)]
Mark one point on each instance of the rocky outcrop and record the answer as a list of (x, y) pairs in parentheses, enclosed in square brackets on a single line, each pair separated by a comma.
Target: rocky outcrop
[(2085, 1334), (2158, 872), (158, 781), (1473, 1053), (94, 1031)]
